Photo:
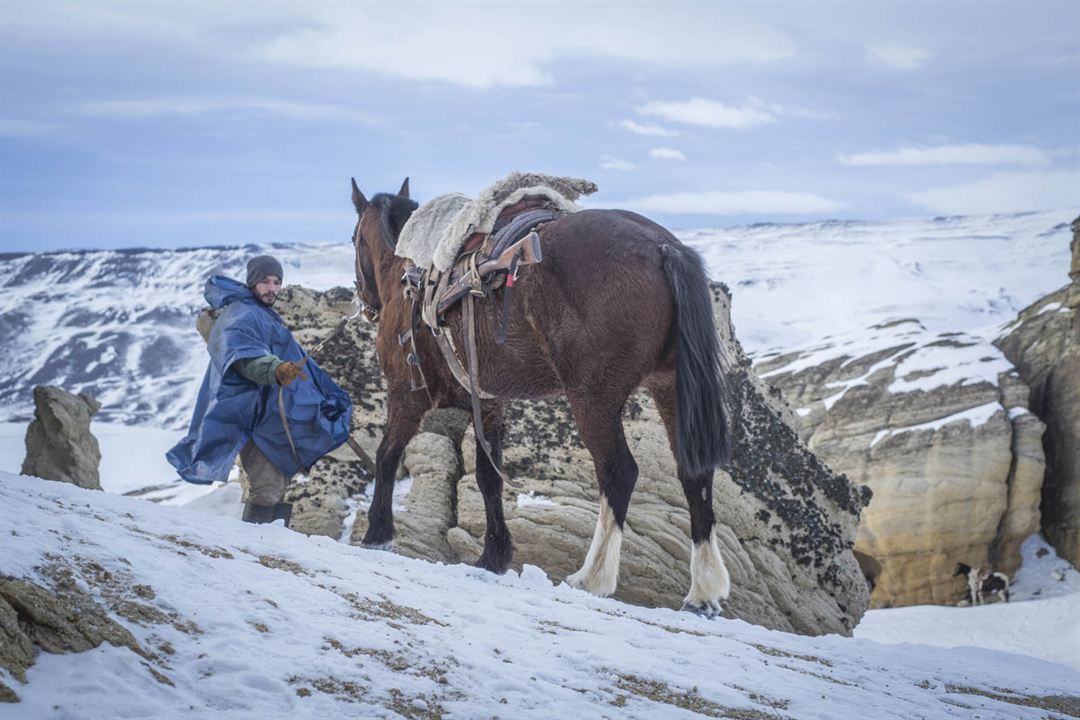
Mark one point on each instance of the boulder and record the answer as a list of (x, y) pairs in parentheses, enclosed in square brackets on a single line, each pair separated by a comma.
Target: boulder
[(1044, 344), (59, 444), (786, 522), (938, 425)]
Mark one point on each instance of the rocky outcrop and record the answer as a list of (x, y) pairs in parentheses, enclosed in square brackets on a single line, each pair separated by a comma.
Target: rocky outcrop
[(34, 618), (1044, 344), (59, 444), (786, 522), (938, 425)]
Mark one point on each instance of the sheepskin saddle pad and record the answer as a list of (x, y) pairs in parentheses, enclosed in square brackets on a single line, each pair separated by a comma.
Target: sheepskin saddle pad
[(438, 229)]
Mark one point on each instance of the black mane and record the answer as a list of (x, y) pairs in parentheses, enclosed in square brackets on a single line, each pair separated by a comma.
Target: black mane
[(394, 211)]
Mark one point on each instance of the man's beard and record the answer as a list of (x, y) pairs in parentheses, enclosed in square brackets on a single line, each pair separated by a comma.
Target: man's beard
[(268, 299)]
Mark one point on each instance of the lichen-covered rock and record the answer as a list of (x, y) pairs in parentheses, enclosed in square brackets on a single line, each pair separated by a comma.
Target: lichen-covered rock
[(937, 425), (59, 444), (1044, 344)]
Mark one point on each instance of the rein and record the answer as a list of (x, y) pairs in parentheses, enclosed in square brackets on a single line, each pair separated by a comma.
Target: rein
[(371, 313)]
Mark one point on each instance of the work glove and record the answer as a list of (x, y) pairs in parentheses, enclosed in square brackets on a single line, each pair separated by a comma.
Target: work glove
[(287, 372)]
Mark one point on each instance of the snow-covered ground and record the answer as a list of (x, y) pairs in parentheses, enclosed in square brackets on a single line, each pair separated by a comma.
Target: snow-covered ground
[(1042, 620), (242, 621)]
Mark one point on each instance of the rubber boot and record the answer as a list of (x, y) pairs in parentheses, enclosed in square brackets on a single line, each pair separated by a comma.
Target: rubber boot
[(259, 514), (283, 511)]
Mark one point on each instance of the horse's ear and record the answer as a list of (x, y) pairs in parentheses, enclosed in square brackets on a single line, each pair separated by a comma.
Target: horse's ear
[(404, 191), (358, 200)]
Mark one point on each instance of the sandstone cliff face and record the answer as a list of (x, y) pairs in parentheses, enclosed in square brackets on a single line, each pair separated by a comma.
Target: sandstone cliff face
[(1044, 344), (938, 426), (59, 444), (786, 522)]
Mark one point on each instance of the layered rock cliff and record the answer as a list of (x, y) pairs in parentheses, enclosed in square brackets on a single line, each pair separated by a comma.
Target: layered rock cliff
[(1044, 344), (938, 425)]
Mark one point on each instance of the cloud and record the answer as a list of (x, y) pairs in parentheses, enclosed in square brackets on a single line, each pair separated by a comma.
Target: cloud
[(752, 202), (1004, 193), (192, 106), (480, 45), (650, 129), (710, 113), (713, 113), (967, 154), (608, 162), (662, 153), (898, 57)]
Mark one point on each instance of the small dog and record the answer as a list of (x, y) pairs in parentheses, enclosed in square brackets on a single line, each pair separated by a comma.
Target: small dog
[(984, 583)]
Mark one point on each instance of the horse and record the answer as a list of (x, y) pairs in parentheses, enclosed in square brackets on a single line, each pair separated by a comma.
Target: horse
[(617, 303), (982, 582)]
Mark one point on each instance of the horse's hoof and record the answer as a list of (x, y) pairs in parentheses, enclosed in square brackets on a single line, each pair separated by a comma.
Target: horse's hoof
[(708, 609), (386, 545), (485, 564)]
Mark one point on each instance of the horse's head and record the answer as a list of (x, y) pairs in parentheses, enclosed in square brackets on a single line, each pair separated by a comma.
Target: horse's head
[(378, 224)]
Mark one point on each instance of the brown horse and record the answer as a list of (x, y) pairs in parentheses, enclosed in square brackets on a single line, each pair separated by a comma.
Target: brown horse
[(617, 303)]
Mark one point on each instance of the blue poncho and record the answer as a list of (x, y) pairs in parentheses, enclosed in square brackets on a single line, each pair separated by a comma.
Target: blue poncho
[(231, 409)]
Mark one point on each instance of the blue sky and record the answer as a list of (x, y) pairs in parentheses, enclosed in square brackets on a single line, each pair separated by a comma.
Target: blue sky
[(200, 123)]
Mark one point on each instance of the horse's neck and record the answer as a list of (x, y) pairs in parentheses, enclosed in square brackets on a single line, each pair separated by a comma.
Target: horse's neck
[(389, 270)]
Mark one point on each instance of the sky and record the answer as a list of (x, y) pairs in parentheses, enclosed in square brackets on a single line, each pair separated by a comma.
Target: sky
[(222, 123)]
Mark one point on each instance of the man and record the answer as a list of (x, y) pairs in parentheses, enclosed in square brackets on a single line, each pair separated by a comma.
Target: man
[(261, 397)]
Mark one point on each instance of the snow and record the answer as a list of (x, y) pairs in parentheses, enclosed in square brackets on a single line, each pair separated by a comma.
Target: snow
[(535, 499), (975, 417), (119, 324), (1049, 307), (289, 625), (132, 459), (1048, 628), (794, 285)]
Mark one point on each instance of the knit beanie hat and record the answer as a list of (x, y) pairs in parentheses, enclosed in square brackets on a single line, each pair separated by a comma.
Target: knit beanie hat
[(261, 267)]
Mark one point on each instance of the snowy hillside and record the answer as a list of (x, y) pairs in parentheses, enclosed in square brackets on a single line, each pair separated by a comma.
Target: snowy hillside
[(234, 620), (120, 324)]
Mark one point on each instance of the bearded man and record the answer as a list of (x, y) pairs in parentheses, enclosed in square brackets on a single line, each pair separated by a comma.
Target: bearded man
[(262, 398)]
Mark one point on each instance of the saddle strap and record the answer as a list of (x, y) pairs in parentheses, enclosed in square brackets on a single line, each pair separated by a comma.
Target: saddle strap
[(446, 345), (474, 390)]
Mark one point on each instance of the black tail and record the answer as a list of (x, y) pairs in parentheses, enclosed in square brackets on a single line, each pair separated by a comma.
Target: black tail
[(703, 438)]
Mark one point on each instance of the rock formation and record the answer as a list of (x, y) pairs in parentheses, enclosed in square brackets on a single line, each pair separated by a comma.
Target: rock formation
[(786, 522), (59, 444), (938, 426), (1044, 344)]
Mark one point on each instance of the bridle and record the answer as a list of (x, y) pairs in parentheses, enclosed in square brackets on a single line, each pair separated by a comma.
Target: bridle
[(370, 312)]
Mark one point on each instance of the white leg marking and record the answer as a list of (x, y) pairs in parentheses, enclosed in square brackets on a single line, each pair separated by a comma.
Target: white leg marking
[(709, 580), (600, 572)]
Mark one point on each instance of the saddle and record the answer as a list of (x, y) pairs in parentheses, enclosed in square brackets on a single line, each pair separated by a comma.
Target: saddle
[(487, 262)]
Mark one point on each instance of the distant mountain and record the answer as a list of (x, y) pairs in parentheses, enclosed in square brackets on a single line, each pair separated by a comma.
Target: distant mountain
[(119, 324)]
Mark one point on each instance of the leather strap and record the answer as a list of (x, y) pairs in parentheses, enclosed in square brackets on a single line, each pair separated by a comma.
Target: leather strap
[(470, 353), (446, 345), (285, 424), (368, 463)]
